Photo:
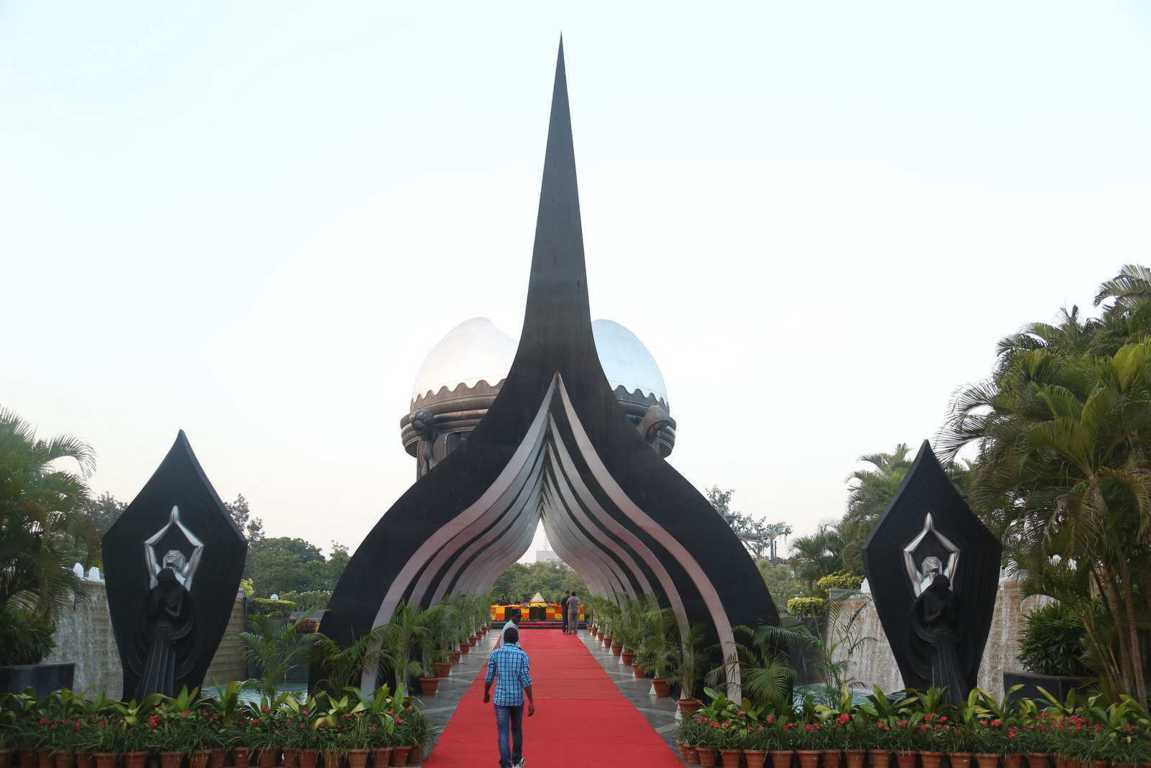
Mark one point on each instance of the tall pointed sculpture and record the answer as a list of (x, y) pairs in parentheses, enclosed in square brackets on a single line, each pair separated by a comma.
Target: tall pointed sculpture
[(933, 568), (555, 444), (172, 562)]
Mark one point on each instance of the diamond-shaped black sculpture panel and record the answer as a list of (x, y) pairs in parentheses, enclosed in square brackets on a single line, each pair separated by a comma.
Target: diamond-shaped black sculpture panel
[(952, 618), (166, 633)]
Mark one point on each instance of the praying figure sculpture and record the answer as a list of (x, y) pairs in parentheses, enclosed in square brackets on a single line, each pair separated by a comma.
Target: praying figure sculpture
[(170, 615), (935, 635), (168, 612), (933, 568)]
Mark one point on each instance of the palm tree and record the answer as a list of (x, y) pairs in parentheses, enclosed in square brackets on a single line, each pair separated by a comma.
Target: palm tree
[(1062, 459), (41, 515), (275, 645), (870, 491), (817, 555)]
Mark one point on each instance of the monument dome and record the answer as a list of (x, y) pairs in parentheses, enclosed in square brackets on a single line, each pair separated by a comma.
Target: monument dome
[(626, 361), (473, 351), (461, 376)]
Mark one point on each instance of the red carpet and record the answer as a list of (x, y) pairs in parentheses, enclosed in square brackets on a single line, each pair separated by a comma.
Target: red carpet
[(581, 718)]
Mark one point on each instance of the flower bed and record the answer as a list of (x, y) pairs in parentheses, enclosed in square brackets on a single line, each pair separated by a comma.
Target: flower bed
[(919, 730), (322, 731)]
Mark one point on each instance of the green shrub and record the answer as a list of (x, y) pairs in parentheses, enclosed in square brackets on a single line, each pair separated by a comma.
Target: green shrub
[(312, 600), (269, 606), (806, 606), (25, 637), (1052, 642), (839, 580)]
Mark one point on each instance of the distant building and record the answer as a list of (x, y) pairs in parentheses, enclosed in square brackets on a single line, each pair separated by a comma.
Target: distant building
[(546, 556)]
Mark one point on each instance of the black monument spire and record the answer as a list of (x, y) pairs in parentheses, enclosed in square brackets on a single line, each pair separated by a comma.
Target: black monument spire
[(557, 288)]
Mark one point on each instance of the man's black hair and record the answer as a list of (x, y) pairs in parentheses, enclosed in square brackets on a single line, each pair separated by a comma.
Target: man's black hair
[(511, 635)]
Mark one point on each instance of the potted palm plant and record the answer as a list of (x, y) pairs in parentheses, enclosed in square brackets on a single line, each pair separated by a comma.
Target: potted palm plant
[(400, 637)]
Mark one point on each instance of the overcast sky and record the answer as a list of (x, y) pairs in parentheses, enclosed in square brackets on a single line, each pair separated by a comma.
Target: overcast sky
[(252, 220)]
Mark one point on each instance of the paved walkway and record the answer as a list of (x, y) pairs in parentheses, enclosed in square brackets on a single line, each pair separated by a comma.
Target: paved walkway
[(583, 718)]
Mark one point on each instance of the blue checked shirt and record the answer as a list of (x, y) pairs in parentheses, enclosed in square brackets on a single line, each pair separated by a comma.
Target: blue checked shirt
[(508, 664)]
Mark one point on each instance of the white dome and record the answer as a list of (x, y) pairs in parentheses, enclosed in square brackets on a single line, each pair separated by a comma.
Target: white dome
[(476, 350), (626, 361), (473, 350)]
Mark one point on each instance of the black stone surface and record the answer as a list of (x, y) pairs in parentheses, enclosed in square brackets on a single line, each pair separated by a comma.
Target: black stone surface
[(178, 481), (928, 489)]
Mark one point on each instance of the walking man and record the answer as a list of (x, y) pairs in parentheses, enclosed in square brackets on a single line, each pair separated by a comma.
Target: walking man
[(572, 624), (508, 666), (564, 612)]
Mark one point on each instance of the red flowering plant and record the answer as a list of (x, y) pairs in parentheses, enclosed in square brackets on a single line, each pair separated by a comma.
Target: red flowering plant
[(175, 724), (844, 725), (137, 721), (296, 725), (262, 724), (717, 721), (887, 721)]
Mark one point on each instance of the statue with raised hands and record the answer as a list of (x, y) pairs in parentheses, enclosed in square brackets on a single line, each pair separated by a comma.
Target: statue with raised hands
[(168, 612)]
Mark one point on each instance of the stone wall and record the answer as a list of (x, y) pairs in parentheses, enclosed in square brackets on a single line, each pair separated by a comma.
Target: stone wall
[(870, 662), (84, 637)]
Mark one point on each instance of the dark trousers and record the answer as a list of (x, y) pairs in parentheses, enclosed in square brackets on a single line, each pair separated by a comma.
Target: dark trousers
[(510, 718)]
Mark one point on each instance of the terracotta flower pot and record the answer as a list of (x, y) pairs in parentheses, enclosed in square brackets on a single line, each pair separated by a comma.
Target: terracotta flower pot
[(85, 760), (414, 755), (198, 759), (45, 758), (291, 758), (707, 756), (400, 755), (638, 671), (959, 759), (464, 648), (381, 756), (216, 758), (241, 756), (456, 656), (332, 758), (987, 760), (62, 759), (781, 758), (5, 758), (832, 758), (687, 753), (105, 759), (268, 757), (906, 759), (1038, 760), (27, 758), (428, 686), (135, 759), (755, 758), (662, 687), (1012, 760), (856, 758), (689, 707), (309, 757), (628, 657), (808, 758), (730, 758), (357, 758), (880, 758), (442, 668), (931, 759)]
